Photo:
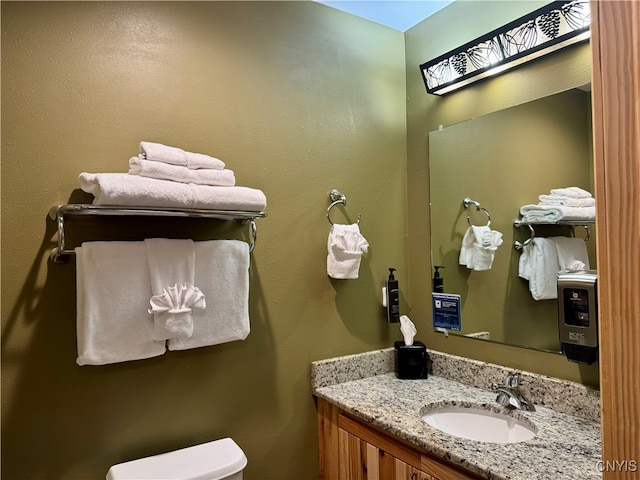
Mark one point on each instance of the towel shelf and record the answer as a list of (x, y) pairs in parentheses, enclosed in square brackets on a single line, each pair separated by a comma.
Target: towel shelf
[(518, 222), (59, 212)]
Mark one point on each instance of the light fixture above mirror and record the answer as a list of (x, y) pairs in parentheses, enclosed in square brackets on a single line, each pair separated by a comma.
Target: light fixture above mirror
[(546, 30)]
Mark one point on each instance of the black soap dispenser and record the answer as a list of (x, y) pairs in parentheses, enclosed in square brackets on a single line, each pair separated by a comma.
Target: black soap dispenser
[(392, 298), (438, 281)]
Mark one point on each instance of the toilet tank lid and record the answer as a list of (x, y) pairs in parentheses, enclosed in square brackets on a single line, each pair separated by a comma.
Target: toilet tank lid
[(208, 461)]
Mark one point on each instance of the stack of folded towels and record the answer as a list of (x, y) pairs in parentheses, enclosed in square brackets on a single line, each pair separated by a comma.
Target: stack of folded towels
[(162, 176), (569, 203)]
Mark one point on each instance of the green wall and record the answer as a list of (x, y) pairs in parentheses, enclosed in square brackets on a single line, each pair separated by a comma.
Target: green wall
[(298, 98), (460, 22)]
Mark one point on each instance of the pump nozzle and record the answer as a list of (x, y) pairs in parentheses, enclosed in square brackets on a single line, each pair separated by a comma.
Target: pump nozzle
[(391, 270)]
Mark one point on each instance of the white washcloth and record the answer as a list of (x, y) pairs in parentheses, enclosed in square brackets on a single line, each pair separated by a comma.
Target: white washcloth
[(222, 274), (543, 269), (566, 201), (572, 254), (479, 246), (113, 291), (574, 192), (176, 173), (345, 247), (553, 213), (133, 190), (176, 156), (170, 262)]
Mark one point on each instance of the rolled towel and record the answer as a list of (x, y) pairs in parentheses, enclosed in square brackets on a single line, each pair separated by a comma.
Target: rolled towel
[(123, 189), (113, 290), (158, 152), (553, 213), (567, 201), (222, 274), (345, 247), (176, 173), (573, 192)]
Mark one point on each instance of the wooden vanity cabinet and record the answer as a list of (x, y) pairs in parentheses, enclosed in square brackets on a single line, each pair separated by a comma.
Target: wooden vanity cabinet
[(352, 450)]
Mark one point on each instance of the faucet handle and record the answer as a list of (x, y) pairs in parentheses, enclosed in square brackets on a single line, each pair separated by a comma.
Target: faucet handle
[(513, 380)]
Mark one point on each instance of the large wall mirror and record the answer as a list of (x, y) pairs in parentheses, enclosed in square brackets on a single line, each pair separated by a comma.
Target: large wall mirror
[(504, 160)]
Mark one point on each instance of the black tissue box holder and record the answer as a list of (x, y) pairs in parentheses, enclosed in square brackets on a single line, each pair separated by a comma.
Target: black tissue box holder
[(411, 360)]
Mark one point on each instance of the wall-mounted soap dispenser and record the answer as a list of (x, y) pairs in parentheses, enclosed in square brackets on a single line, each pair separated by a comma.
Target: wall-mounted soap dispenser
[(578, 316), (391, 298)]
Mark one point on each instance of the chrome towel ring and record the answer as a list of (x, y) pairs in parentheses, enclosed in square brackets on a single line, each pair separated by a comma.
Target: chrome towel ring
[(468, 202), (337, 198)]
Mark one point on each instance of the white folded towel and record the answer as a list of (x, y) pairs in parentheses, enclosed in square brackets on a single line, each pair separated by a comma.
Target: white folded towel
[(172, 263), (222, 274), (113, 291), (345, 247), (567, 201), (176, 173), (572, 254), (176, 156), (133, 190), (543, 269), (553, 213), (573, 192), (479, 245)]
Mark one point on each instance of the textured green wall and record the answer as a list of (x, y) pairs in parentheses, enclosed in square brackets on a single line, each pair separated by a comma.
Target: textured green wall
[(297, 98), (455, 25)]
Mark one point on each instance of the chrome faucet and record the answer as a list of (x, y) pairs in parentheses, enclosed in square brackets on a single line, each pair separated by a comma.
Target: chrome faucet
[(509, 394)]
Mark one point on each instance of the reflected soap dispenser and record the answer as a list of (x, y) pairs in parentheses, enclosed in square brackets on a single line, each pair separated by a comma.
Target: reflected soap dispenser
[(391, 298), (438, 281)]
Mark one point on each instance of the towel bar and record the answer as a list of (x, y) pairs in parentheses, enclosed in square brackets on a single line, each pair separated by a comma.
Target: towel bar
[(58, 213), (572, 223)]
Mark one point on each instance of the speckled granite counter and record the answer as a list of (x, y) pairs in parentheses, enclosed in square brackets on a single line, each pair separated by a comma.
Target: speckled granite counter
[(566, 446)]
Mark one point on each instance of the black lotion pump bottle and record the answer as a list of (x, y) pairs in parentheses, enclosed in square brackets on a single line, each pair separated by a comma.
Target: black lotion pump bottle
[(393, 298), (438, 281)]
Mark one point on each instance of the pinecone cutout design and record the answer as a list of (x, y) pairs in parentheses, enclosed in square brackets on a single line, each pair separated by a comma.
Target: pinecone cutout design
[(549, 23)]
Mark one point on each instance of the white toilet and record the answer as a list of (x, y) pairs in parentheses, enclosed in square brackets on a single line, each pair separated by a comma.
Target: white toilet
[(218, 460)]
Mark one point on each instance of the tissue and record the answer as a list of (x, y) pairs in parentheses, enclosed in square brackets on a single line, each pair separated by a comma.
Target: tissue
[(408, 329)]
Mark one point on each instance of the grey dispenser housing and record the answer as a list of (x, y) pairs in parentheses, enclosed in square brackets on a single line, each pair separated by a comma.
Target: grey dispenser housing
[(578, 315)]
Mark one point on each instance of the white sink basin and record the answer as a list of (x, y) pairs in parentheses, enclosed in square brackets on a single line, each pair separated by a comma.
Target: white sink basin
[(479, 423)]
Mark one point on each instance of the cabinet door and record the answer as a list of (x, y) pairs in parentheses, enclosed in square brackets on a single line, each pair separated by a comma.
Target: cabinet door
[(358, 460), (404, 471)]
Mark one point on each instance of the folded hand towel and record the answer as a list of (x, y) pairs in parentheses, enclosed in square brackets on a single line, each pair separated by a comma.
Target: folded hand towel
[(222, 274), (170, 262), (176, 156), (553, 213), (574, 192), (572, 254), (466, 251), (176, 173), (133, 190), (113, 291), (543, 270), (479, 245), (173, 309), (345, 247), (567, 201)]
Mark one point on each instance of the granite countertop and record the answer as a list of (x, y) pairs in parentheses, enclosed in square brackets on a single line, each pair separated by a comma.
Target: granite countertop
[(565, 446)]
